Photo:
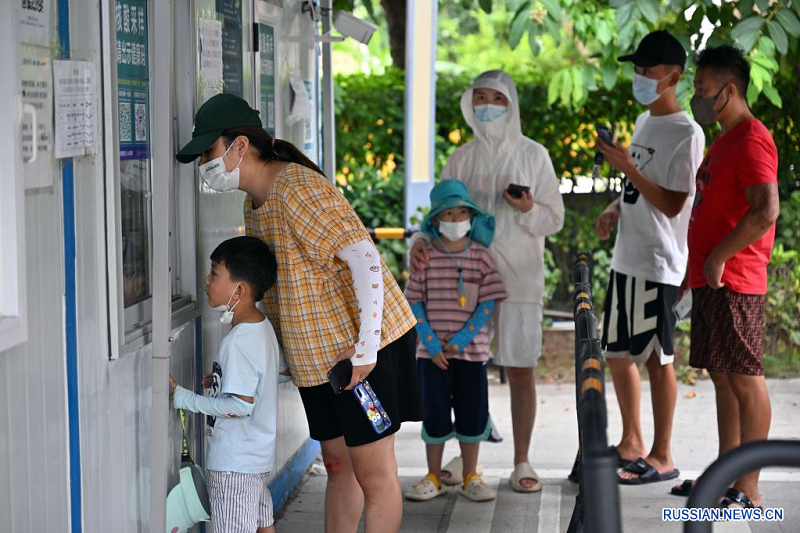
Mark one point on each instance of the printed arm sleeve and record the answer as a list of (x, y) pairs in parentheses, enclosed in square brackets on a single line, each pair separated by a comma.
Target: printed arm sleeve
[(365, 266), (547, 215), (225, 405), (480, 317), (424, 330)]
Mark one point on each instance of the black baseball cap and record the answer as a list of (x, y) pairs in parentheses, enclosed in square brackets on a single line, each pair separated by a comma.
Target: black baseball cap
[(657, 48), (219, 114)]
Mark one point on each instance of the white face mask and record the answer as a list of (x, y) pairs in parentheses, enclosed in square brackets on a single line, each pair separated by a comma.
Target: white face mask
[(217, 176), (226, 311), (645, 89), (453, 231)]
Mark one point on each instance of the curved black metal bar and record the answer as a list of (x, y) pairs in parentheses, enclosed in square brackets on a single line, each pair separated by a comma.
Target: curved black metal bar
[(731, 466), (597, 506)]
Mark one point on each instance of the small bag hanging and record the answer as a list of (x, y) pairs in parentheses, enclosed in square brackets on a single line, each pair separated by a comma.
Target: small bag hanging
[(188, 502)]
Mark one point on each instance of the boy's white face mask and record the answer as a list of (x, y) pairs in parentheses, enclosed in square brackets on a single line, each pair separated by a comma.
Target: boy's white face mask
[(454, 231), (217, 176), (226, 311)]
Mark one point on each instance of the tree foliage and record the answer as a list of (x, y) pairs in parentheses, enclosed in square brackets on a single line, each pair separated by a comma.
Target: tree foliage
[(591, 34)]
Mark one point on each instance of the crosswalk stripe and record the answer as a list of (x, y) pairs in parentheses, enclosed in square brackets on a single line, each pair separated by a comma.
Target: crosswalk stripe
[(550, 509), (792, 476), (731, 527), (473, 517)]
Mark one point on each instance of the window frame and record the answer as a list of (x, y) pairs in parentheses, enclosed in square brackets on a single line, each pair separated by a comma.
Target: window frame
[(131, 328), (13, 293)]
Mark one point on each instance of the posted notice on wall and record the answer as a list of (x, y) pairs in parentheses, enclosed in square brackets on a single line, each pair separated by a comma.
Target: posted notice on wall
[(211, 70), (37, 92), (76, 117), (34, 21)]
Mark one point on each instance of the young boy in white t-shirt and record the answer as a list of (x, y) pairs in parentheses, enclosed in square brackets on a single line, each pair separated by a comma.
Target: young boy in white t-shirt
[(650, 254), (242, 404)]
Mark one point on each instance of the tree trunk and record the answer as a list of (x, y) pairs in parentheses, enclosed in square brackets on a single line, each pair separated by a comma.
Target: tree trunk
[(395, 11)]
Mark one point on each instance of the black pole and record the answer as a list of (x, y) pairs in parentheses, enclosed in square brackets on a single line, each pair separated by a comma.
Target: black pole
[(597, 508)]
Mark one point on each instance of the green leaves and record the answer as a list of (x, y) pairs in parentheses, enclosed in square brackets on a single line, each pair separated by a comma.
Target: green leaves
[(553, 8), (650, 9), (610, 75), (745, 7), (518, 27), (486, 5), (747, 31), (568, 86), (772, 94), (749, 25), (778, 37), (623, 14), (789, 21)]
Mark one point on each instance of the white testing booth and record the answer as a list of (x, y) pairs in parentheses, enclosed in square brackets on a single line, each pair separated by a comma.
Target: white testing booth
[(105, 240)]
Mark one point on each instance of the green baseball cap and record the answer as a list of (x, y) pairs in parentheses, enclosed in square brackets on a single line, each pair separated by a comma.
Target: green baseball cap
[(219, 114)]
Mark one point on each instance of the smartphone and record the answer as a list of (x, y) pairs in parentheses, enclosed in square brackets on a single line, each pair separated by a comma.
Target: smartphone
[(605, 135), (340, 375), (683, 307), (515, 191), (372, 407)]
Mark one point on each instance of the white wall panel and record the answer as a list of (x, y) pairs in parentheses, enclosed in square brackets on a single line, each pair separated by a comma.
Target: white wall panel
[(33, 454)]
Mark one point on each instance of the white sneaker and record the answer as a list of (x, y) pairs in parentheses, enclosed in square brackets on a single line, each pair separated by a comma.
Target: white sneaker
[(476, 489), (426, 489)]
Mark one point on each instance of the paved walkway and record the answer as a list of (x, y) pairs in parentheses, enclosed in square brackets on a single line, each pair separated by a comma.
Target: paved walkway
[(555, 444)]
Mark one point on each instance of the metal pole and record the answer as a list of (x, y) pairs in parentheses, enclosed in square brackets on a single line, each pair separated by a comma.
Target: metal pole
[(420, 103), (163, 163), (328, 115), (733, 465)]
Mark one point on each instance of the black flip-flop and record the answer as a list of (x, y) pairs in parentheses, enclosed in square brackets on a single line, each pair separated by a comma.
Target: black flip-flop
[(621, 462), (684, 489), (735, 496), (646, 473)]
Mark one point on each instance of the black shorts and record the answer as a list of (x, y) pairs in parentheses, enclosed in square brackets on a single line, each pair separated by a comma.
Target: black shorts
[(638, 319), (463, 389), (394, 381)]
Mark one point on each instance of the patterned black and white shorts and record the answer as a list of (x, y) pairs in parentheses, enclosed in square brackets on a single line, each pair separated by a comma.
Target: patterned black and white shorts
[(638, 319), (240, 503)]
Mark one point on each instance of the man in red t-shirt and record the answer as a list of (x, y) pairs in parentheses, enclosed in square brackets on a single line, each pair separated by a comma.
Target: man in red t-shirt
[(731, 233)]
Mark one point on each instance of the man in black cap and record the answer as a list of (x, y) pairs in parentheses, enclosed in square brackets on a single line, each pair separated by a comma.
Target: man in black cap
[(650, 253)]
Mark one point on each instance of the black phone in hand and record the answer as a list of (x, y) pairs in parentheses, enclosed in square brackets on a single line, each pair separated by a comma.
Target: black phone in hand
[(515, 191), (605, 135), (340, 375)]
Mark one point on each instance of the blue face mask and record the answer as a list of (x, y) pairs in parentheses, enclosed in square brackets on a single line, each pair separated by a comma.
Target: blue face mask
[(645, 89), (489, 112)]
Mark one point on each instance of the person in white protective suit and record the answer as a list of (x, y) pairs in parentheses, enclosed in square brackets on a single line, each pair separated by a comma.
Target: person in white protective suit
[(499, 156)]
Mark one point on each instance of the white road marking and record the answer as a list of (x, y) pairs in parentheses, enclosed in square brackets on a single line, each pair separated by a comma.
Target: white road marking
[(550, 509)]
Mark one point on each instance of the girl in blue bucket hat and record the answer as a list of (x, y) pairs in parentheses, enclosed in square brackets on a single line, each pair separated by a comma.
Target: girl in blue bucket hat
[(512, 178), (453, 299)]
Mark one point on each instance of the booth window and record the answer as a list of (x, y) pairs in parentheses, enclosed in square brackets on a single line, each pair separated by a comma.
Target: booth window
[(133, 129)]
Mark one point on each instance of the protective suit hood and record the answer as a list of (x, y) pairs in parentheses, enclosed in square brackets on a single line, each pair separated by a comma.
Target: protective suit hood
[(503, 133)]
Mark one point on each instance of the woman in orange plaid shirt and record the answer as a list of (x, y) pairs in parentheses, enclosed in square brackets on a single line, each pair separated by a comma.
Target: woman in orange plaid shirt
[(334, 299)]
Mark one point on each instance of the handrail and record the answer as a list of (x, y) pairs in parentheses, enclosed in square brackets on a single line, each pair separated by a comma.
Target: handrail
[(731, 466), (391, 233), (597, 506)]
